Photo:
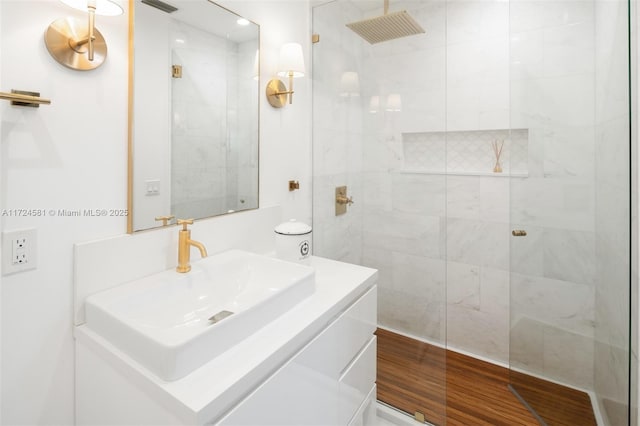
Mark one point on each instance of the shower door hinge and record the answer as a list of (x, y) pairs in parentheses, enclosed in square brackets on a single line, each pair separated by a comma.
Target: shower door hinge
[(315, 38), (176, 71)]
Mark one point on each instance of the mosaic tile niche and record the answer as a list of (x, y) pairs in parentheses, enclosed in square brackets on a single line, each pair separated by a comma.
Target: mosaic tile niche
[(466, 152)]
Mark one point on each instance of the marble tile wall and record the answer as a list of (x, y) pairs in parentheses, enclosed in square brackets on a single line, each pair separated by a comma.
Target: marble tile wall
[(405, 223), (553, 272), (242, 168), (453, 229), (198, 174), (337, 133), (210, 178), (450, 272)]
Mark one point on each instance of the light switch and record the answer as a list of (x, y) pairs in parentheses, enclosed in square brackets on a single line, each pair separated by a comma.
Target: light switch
[(153, 187)]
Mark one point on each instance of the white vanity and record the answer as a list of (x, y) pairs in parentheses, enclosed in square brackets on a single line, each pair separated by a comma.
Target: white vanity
[(300, 352)]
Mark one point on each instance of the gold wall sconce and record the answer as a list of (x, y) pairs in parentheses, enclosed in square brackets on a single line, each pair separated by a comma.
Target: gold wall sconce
[(291, 65), (77, 45)]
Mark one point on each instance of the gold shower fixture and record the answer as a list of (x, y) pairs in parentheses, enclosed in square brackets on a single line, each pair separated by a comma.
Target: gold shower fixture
[(389, 26), (77, 45)]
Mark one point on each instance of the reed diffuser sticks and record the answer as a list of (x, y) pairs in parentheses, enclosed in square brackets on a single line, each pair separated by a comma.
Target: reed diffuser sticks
[(497, 146)]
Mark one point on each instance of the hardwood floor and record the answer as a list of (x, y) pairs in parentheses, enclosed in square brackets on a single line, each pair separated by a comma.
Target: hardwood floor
[(454, 389)]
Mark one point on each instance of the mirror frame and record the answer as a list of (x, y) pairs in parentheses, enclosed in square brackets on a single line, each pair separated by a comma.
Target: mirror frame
[(130, 121)]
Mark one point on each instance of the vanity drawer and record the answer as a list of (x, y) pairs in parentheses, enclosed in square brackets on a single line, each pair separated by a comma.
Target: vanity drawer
[(356, 381), (325, 382), (356, 327), (366, 414)]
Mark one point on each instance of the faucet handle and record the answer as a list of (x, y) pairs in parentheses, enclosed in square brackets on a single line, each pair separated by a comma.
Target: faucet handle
[(165, 219), (184, 223)]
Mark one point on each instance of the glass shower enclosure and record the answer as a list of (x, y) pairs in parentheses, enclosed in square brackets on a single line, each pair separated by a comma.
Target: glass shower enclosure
[(489, 164)]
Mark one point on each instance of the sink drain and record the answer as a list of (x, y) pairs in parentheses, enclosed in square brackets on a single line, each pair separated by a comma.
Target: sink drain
[(220, 316)]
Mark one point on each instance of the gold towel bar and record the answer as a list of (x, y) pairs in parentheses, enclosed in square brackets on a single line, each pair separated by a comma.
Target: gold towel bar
[(23, 99)]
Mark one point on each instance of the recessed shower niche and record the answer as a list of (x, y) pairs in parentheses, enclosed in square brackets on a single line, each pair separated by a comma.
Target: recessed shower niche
[(467, 152)]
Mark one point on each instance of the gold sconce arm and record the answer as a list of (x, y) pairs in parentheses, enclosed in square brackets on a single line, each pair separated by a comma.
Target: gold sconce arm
[(82, 53), (277, 93), (290, 87), (92, 27), (76, 44)]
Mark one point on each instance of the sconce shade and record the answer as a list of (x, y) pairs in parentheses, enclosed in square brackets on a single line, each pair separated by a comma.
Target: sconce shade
[(103, 7), (291, 60)]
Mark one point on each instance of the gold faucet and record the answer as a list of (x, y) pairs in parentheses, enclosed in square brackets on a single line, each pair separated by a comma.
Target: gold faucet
[(184, 246)]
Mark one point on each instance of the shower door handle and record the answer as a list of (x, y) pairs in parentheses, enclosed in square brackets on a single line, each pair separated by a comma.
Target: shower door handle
[(519, 233)]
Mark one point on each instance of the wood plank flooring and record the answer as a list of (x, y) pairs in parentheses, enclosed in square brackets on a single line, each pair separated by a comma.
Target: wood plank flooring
[(454, 389)]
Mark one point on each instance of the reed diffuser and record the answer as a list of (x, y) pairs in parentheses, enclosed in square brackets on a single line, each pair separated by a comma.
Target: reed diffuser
[(497, 151)]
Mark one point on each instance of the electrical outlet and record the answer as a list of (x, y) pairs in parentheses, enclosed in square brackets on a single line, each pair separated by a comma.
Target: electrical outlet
[(19, 249)]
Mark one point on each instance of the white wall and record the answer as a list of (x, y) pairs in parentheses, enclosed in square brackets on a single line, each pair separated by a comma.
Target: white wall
[(72, 154), (285, 134)]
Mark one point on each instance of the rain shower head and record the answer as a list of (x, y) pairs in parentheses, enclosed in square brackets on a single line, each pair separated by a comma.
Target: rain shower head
[(386, 27)]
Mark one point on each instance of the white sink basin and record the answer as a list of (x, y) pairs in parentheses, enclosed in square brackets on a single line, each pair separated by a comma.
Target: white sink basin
[(162, 321)]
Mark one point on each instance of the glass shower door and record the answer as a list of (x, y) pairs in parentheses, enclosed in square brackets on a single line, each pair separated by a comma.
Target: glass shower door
[(569, 249), (379, 117)]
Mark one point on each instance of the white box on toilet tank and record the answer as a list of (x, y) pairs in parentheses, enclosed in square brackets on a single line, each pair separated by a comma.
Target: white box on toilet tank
[(293, 241)]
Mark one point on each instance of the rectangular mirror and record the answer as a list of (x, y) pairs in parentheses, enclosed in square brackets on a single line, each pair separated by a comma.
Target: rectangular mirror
[(193, 125)]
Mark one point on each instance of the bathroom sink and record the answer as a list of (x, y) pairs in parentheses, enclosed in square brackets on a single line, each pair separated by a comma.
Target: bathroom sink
[(173, 323)]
